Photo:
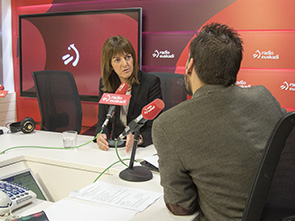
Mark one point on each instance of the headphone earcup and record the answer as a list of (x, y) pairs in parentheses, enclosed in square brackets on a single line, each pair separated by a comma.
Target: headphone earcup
[(15, 127), (28, 125)]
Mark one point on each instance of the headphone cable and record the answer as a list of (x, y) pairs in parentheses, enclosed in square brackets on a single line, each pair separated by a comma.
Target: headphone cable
[(55, 148)]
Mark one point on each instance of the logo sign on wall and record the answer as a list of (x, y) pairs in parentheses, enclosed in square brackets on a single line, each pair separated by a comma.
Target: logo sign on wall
[(243, 84), (166, 54), (68, 58), (288, 86), (266, 55)]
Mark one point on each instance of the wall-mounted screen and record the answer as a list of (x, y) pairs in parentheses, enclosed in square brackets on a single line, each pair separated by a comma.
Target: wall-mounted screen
[(72, 41)]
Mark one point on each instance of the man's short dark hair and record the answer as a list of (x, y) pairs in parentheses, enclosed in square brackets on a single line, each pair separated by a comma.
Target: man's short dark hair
[(217, 52)]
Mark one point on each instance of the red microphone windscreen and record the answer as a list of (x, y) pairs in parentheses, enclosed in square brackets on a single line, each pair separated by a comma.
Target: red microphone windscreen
[(122, 89), (151, 110)]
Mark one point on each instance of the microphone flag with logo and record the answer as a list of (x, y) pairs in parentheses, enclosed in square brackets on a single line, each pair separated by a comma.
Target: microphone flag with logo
[(119, 98)]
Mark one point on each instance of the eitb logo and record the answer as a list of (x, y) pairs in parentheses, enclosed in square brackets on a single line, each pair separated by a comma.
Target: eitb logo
[(68, 58)]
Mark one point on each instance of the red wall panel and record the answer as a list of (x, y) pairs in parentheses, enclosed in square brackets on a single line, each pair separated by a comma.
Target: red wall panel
[(281, 83), (268, 48), (267, 27)]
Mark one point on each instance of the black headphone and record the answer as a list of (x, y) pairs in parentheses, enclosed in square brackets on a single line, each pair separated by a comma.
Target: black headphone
[(26, 126)]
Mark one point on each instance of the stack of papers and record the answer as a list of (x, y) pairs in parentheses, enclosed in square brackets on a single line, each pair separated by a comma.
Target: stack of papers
[(117, 196), (100, 200)]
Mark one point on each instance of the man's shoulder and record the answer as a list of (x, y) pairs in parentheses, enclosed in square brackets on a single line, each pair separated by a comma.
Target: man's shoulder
[(258, 92), (253, 89), (175, 112)]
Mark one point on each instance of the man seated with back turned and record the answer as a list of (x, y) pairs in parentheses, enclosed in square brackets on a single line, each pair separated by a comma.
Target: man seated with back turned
[(210, 146)]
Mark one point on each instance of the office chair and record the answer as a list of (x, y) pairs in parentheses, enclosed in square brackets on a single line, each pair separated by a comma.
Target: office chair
[(272, 197), (173, 88), (59, 101)]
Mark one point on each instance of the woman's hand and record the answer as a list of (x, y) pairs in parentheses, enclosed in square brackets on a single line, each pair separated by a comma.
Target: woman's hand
[(129, 142), (102, 142)]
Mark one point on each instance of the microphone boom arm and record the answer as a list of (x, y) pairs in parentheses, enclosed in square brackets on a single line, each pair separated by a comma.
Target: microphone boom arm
[(133, 127), (110, 114)]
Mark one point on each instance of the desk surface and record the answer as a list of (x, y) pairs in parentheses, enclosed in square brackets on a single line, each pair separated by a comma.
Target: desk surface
[(86, 158)]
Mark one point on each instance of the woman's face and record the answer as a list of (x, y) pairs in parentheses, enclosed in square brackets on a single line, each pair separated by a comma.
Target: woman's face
[(123, 66)]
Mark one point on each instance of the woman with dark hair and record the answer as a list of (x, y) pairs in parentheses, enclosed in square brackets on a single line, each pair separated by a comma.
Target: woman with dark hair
[(118, 65)]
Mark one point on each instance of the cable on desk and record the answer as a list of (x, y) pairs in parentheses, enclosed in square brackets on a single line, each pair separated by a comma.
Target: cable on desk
[(62, 148), (120, 160), (55, 148), (109, 168), (116, 148)]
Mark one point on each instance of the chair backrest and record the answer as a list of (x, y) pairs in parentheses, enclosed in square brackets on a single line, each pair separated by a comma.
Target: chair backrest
[(173, 88), (272, 196), (59, 101)]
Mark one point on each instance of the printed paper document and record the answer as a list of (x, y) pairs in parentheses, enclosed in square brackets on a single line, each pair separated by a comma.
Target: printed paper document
[(117, 196)]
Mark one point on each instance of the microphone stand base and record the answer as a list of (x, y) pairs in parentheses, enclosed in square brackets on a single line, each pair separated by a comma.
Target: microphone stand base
[(136, 174)]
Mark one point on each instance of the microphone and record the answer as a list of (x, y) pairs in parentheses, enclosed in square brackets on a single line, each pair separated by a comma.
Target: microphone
[(122, 89), (148, 112)]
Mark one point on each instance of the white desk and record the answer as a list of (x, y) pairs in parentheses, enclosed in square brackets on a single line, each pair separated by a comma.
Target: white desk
[(63, 171)]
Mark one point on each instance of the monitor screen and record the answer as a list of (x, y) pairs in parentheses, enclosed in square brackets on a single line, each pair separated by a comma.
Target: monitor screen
[(26, 179), (72, 41)]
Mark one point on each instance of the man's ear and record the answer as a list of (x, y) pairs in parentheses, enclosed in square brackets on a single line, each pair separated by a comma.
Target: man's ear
[(190, 66)]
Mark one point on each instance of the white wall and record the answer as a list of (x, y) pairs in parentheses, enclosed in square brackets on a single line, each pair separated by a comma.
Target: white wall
[(7, 104), (8, 79), (7, 109)]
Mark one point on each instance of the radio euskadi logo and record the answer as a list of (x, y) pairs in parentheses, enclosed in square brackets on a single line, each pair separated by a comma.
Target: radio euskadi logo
[(243, 84), (266, 55), (67, 58), (288, 86), (166, 54)]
